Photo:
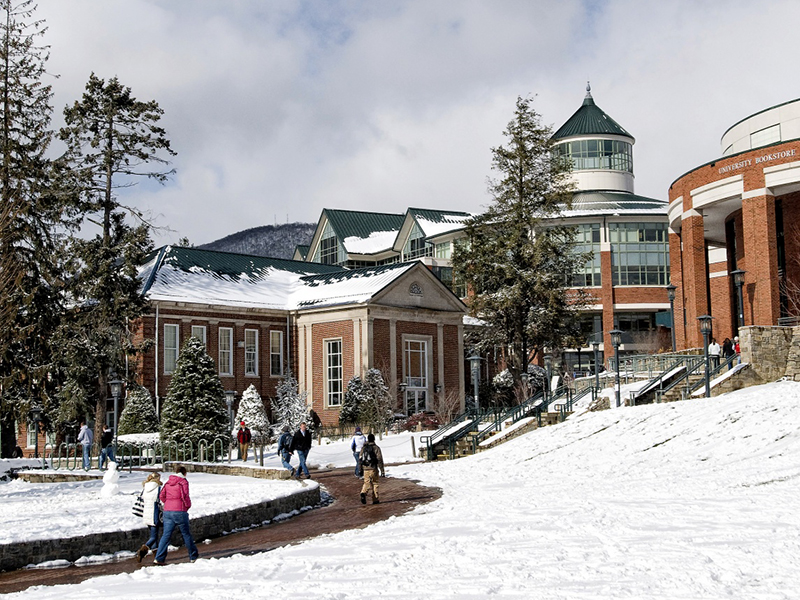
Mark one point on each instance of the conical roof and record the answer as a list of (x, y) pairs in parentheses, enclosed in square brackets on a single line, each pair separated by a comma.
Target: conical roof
[(590, 119)]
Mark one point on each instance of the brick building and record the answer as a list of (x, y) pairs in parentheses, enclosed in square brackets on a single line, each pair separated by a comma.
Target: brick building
[(737, 214)]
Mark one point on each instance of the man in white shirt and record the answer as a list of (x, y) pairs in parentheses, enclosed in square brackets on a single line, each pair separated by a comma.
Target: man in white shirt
[(714, 352)]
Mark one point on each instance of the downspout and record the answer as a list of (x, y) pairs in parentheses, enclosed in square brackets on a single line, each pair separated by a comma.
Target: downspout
[(158, 408)]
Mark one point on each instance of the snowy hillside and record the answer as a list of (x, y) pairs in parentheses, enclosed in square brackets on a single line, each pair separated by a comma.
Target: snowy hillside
[(697, 499), (275, 241)]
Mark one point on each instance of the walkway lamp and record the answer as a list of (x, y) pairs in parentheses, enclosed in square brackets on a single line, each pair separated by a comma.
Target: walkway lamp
[(705, 329), (616, 341), (475, 369), (548, 366), (230, 396), (116, 392), (596, 349), (35, 415), (524, 377), (671, 295), (738, 280)]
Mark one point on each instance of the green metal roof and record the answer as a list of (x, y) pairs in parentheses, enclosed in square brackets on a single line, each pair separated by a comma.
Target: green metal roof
[(351, 274), (351, 223), (439, 216), (590, 119), (302, 250)]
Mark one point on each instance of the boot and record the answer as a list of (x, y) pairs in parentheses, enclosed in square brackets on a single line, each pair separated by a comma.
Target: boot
[(363, 498), (142, 553)]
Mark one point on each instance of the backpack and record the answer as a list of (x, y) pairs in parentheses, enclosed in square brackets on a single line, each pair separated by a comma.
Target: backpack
[(284, 443), (368, 456)]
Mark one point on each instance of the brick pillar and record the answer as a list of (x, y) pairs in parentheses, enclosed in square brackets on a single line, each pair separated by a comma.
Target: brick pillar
[(693, 282), (607, 299), (761, 291), (676, 279)]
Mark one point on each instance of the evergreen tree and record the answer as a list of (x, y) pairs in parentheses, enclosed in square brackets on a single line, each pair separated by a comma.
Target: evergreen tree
[(517, 260), (30, 211), (376, 407), (112, 139), (290, 407), (252, 412), (139, 414), (195, 407), (350, 412)]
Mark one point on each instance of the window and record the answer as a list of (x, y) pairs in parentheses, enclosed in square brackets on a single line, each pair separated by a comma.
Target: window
[(327, 251), (333, 372), (415, 369), (276, 353), (226, 351), (598, 154), (587, 239), (763, 137), (199, 331), (443, 250), (31, 435), (416, 246), (639, 254), (170, 348), (251, 351)]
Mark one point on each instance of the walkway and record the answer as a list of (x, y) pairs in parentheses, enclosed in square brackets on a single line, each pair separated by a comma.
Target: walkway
[(398, 496)]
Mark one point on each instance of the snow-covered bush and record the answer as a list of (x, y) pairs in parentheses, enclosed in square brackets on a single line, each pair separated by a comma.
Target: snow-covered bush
[(352, 401), (139, 414), (290, 407), (252, 412), (376, 405), (195, 407), (504, 380)]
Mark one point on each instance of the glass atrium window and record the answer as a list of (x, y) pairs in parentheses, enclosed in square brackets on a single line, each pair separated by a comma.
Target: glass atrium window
[(443, 250), (768, 135), (587, 239), (639, 253), (598, 154), (327, 251), (416, 246)]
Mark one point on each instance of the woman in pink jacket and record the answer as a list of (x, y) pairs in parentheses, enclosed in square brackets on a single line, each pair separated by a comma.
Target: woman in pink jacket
[(175, 496)]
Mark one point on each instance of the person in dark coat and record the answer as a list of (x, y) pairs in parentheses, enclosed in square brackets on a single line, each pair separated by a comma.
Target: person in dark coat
[(301, 443), (728, 351), (243, 436), (106, 446), (372, 462), (285, 449)]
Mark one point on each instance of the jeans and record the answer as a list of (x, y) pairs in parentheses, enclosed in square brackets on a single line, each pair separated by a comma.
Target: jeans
[(173, 519), (359, 470), (153, 539), (285, 458), (106, 453), (87, 463), (302, 468), (714, 360)]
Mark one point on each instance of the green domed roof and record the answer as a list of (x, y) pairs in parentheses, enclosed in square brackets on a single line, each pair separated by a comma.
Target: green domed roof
[(589, 119)]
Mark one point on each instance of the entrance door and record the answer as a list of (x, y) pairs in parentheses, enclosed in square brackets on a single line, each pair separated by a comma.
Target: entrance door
[(416, 375)]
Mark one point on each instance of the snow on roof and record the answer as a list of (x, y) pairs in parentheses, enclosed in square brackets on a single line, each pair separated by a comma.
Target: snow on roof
[(433, 228), (349, 287), (376, 242)]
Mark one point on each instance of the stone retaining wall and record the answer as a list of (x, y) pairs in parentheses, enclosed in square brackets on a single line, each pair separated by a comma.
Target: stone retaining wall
[(19, 554), (773, 352)]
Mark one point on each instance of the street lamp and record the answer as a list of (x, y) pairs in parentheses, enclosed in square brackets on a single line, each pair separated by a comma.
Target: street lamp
[(475, 369), (35, 415), (230, 395), (671, 295), (548, 366), (116, 392), (738, 280), (596, 349), (524, 377), (705, 329), (616, 341)]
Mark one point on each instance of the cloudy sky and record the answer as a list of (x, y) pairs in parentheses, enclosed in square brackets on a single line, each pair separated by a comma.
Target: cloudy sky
[(278, 109)]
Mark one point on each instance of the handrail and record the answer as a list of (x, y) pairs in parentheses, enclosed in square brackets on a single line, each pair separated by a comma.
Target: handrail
[(515, 413), (712, 372), (690, 370)]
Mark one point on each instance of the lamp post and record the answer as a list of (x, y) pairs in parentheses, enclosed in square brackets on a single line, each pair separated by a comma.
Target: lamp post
[(475, 367), (548, 368), (596, 350), (738, 280), (616, 341), (116, 392), (35, 415), (705, 329), (671, 295), (230, 395), (524, 377)]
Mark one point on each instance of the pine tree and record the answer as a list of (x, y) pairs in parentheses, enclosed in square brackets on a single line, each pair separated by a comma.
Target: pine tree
[(30, 303), (517, 260), (139, 414), (252, 412), (376, 408), (112, 140), (350, 412), (195, 407), (290, 407)]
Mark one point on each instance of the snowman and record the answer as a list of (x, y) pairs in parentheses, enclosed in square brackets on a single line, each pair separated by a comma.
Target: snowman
[(110, 479)]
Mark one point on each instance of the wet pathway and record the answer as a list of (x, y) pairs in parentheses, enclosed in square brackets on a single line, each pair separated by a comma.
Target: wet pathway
[(345, 512)]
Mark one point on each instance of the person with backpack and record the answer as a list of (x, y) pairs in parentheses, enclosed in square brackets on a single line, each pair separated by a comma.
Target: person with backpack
[(356, 444), (285, 449), (243, 436), (371, 461), (301, 443), (106, 447)]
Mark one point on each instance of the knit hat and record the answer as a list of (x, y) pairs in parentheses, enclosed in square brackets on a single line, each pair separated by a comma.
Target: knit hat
[(285, 429), (242, 423), (371, 437), (358, 429)]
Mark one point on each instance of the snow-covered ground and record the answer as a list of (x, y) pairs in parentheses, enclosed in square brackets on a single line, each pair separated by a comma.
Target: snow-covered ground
[(688, 500)]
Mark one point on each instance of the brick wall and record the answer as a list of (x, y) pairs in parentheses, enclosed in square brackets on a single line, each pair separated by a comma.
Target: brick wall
[(319, 333)]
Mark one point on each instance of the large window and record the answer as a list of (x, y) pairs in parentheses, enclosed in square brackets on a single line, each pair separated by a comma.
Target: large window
[(199, 331), (276, 353), (170, 347), (333, 372), (639, 253), (226, 351), (251, 351), (415, 370), (587, 239), (416, 246), (598, 154), (443, 250), (327, 251)]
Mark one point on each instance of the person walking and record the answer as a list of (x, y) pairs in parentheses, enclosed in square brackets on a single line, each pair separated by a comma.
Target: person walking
[(243, 436), (175, 496), (301, 443), (727, 351), (356, 444), (86, 437), (151, 513), (106, 447), (737, 349), (714, 351), (285, 450), (372, 462)]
